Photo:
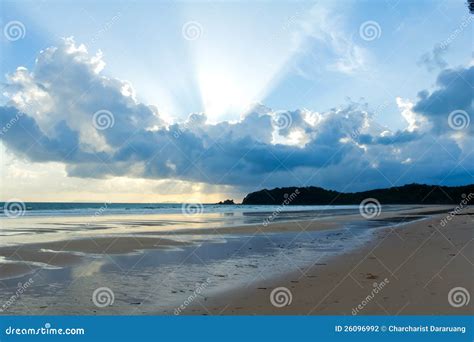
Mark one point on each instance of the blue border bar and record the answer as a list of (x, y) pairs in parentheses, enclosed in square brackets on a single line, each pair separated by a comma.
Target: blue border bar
[(236, 328)]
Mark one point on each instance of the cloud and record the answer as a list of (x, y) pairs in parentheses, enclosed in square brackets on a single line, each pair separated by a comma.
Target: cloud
[(323, 37), (453, 93), (434, 60), (51, 116)]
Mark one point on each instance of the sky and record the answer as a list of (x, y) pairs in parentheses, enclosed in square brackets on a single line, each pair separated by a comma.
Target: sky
[(201, 101)]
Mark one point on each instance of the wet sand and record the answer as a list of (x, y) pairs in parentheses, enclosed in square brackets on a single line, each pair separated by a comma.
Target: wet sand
[(329, 264), (69, 252), (416, 264)]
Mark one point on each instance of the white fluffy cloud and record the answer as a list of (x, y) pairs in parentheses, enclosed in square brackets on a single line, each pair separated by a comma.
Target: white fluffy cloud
[(50, 117)]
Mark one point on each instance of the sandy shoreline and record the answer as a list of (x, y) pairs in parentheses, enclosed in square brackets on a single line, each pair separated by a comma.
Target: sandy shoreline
[(65, 253), (416, 265)]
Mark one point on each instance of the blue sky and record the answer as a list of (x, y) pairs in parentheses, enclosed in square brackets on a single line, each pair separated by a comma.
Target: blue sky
[(311, 61)]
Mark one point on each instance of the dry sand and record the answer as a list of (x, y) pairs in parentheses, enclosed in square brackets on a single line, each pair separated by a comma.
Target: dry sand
[(419, 263)]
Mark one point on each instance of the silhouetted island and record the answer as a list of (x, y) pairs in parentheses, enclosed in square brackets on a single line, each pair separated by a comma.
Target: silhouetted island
[(407, 194), (226, 202)]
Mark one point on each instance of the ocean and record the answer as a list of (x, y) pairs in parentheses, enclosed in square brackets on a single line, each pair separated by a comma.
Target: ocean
[(87, 209), (34, 222)]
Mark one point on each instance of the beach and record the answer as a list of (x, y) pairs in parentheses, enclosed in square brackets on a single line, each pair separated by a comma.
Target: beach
[(329, 261), (417, 264)]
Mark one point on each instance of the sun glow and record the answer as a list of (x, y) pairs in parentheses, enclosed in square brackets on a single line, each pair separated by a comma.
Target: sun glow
[(231, 74), (223, 93)]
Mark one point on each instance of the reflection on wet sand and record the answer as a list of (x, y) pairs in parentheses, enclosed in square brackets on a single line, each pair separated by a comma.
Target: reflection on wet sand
[(158, 267)]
